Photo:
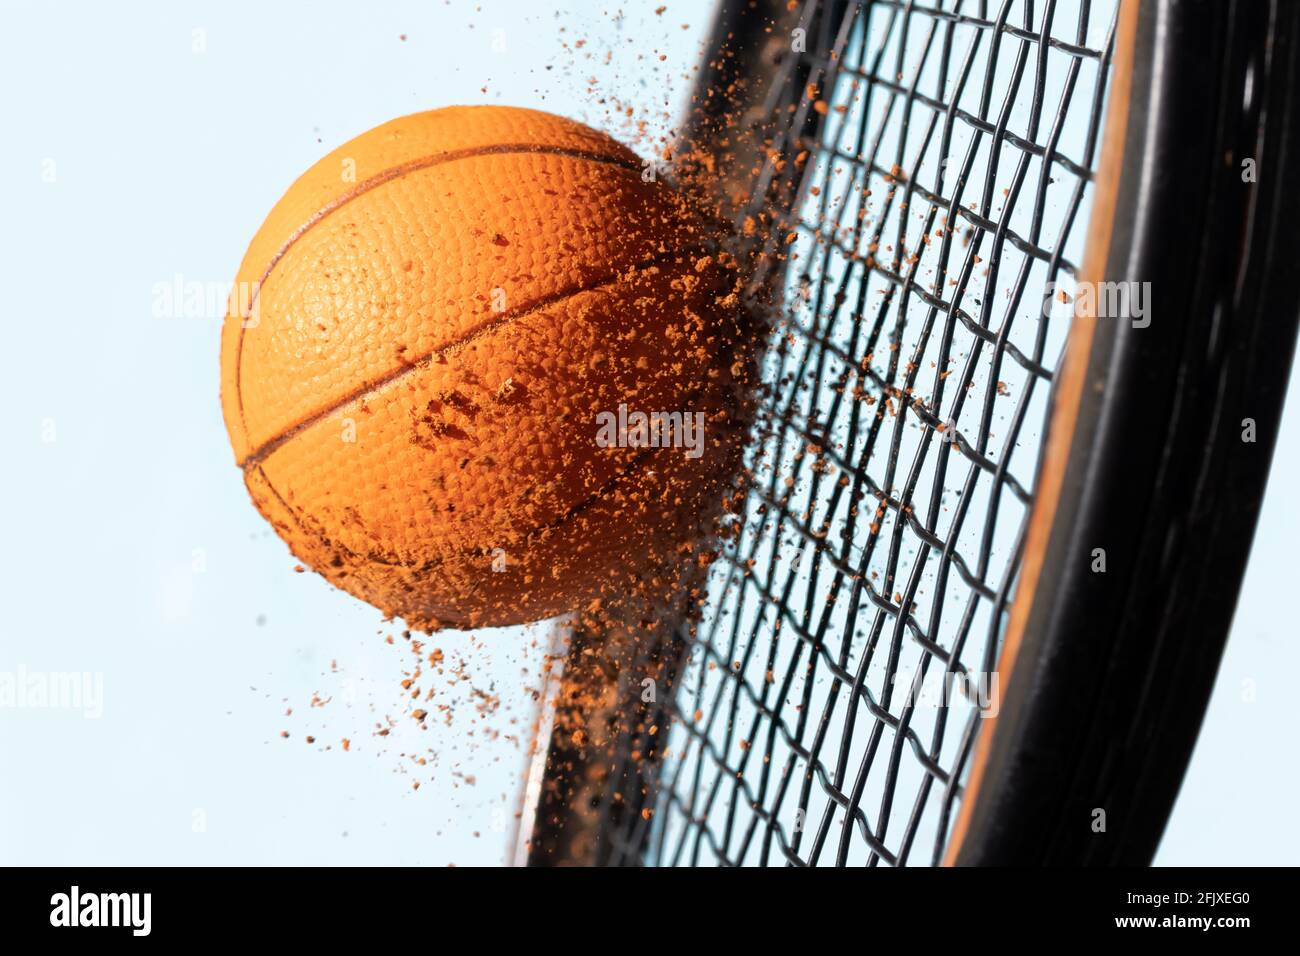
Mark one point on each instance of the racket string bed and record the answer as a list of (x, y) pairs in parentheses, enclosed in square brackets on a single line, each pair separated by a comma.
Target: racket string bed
[(825, 704)]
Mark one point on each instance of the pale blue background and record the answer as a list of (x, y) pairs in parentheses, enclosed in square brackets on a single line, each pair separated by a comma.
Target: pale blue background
[(132, 547)]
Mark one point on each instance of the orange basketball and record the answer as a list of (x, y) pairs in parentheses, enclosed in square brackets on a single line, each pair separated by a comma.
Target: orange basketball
[(437, 353)]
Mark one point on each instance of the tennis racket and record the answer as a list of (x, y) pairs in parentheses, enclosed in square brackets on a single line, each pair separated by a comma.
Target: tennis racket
[(1026, 266)]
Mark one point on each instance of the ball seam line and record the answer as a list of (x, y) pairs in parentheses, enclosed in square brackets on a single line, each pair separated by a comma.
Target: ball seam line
[(374, 385)]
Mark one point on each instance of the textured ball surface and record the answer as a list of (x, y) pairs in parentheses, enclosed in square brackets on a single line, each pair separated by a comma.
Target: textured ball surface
[(424, 336)]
